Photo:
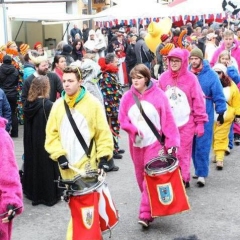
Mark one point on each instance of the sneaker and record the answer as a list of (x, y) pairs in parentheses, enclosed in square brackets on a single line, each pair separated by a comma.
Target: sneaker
[(194, 176), (114, 168), (121, 151), (219, 165), (117, 156), (144, 223), (201, 181), (186, 184), (237, 139), (214, 159), (228, 151)]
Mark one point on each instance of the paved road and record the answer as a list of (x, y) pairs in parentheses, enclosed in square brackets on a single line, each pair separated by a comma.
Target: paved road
[(214, 214)]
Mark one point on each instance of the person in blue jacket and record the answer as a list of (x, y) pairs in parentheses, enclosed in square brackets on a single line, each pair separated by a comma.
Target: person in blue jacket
[(214, 97), (5, 110)]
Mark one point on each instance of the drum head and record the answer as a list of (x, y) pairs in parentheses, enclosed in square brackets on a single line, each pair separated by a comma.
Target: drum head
[(161, 165), (81, 185)]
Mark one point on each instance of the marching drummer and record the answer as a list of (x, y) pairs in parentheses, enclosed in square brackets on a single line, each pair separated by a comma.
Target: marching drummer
[(62, 142), (143, 144)]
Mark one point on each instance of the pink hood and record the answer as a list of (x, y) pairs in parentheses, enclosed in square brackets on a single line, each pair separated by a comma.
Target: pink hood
[(182, 54)]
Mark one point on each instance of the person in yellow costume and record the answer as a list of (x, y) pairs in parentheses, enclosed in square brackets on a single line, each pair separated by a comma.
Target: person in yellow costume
[(221, 131), (61, 141)]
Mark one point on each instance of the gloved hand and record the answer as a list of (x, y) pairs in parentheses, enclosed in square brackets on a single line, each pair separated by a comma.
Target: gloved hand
[(103, 163), (10, 214), (172, 151), (63, 162), (199, 130), (220, 118), (237, 119)]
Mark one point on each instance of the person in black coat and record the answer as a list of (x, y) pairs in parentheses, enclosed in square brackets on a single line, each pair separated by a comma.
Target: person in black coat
[(67, 52), (131, 59), (39, 170), (41, 65), (9, 77), (85, 32)]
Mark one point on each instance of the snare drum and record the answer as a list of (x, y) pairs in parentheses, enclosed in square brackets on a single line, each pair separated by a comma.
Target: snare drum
[(108, 215), (165, 187)]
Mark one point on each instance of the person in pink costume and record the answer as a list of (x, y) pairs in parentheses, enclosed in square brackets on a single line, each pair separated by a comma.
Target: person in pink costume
[(230, 44), (143, 144), (186, 99), (11, 199)]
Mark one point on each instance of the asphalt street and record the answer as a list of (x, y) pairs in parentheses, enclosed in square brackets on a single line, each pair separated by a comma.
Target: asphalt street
[(214, 214)]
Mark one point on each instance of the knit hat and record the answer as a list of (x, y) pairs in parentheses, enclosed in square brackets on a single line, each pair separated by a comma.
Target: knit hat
[(164, 37), (7, 59), (24, 49), (67, 48), (167, 48), (37, 45), (37, 59), (9, 43), (221, 67), (196, 52)]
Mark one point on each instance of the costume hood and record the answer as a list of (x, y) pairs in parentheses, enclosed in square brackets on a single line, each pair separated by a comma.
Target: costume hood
[(31, 108), (182, 54)]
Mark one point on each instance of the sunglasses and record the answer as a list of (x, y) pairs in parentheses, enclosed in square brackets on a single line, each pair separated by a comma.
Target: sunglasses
[(218, 72)]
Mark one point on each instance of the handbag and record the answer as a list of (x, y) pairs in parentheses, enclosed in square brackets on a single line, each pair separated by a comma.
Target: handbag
[(77, 132)]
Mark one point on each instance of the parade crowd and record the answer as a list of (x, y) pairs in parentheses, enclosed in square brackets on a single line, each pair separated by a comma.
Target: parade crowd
[(104, 80)]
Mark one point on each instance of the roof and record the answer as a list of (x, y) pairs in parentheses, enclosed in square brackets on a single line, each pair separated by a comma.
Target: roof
[(47, 19)]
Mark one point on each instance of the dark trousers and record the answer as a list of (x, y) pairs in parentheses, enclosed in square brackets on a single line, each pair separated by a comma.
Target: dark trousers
[(13, 104)]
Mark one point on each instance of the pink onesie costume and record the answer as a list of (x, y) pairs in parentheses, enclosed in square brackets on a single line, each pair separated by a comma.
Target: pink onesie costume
[(186, 99), (157, 108)]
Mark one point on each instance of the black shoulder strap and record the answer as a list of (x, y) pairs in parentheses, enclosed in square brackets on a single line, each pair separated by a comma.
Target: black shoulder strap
[(77, 132), (160, 138)]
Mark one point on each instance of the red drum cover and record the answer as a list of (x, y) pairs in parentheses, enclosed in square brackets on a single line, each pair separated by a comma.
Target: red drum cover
[(85, 217), (166, 193)]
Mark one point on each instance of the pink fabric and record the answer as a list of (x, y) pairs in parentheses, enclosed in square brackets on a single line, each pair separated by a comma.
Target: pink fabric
[(188, 83), (235, 52), (10, 186), (142, 155)]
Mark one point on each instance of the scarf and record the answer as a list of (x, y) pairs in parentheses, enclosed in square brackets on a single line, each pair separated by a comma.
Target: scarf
[(72, 100), (196, 71), (107, 67)]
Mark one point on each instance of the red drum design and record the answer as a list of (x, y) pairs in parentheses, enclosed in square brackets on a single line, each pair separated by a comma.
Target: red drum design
[(166, 191), (108, 215)]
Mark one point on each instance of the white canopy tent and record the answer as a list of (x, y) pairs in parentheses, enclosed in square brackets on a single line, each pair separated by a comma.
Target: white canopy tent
[(144, 9)]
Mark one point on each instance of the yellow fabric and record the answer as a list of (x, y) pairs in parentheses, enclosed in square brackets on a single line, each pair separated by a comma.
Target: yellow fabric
[(220, 133), (72, 99), (90, 109)]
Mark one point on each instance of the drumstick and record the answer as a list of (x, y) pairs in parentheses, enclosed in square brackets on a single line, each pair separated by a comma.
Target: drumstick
[(83, 174), (15, 209)]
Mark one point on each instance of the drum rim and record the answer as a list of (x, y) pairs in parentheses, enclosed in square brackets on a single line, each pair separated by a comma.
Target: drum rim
[(152, 172)]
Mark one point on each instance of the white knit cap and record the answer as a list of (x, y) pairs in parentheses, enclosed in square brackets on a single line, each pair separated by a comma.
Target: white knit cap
[(221, 67)]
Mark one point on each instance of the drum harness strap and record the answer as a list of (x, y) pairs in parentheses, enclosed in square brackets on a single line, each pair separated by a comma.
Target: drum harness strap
[(160, 138), (77, 132)]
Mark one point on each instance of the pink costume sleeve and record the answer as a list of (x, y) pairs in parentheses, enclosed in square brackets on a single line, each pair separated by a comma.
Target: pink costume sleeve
[(123, 118), (10, 186)]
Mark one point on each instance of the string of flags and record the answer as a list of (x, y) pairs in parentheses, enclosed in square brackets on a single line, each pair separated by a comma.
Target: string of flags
[(146, 21)]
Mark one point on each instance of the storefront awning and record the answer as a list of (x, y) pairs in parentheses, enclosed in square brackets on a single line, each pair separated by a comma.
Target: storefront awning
[(50, 19)]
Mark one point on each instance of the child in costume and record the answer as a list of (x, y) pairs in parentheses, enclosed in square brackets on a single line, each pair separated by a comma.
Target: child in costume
[(143, 144), (11, 201), (186, 99), (232, 95)]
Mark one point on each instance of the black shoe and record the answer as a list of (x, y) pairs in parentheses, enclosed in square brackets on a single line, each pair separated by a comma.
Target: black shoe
[(186, 184), (114, 168), (237, 139), (121, 151), (117, 156)]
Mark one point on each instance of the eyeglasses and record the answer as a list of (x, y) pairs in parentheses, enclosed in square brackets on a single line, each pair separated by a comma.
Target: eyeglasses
[(175, 61), (73, 69), (218, 72)]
